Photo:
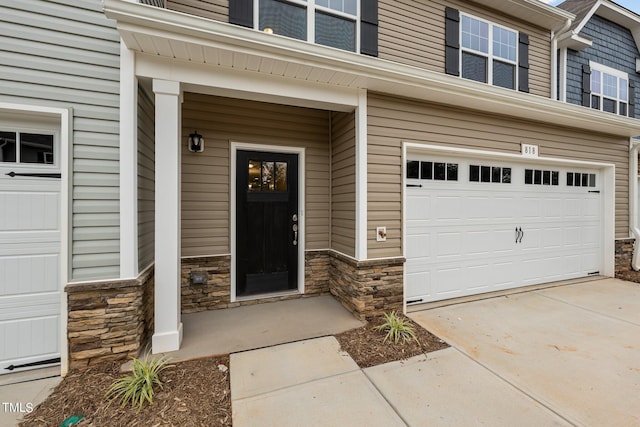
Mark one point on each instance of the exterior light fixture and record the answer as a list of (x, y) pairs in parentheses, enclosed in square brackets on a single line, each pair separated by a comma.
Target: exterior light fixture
[(196, 142), (268, 30)]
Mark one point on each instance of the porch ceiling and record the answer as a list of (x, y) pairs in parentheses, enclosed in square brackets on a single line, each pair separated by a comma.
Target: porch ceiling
[(201, 52)]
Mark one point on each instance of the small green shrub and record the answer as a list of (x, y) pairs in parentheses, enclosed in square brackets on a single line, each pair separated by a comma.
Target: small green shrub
[(137, 387), (397, 328)]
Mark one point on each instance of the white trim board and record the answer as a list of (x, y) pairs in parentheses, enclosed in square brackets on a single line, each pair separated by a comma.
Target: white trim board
[(300, 151)]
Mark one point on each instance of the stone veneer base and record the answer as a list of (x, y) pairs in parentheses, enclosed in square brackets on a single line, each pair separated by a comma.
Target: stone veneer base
[(367, 288), (109, 320), (624, 254), (216, 292)]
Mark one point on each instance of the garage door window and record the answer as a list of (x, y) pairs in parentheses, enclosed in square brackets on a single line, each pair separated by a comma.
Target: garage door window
[(541, 177), (437, 171), (481, 173), (26, 148), (577, 179)]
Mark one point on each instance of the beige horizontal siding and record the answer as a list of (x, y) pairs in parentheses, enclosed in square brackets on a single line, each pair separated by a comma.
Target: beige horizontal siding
[(212, 9), (343, 183), (412, 33), (206, 198), (394, 120)]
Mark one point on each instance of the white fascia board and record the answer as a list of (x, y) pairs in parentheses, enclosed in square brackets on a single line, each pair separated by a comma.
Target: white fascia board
[(257, 87), (614, 13), (574, 41), (374, 74)]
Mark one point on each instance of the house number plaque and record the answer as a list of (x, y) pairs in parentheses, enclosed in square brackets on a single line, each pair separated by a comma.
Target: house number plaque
[(529, 150)]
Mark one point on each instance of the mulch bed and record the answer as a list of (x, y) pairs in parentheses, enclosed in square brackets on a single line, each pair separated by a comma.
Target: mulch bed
[(367, 347), (195, 393)]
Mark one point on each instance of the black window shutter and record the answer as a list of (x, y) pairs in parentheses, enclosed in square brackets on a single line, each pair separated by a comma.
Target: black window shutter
[(632, 98), (586, 86), (241, 12), (369, 27), (452, 41), (523, 63)]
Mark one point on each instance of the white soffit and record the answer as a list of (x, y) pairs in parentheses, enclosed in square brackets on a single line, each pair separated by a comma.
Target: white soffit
[(187, 45)]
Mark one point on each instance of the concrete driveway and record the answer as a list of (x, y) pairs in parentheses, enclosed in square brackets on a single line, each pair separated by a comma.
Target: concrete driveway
[(573, 349)]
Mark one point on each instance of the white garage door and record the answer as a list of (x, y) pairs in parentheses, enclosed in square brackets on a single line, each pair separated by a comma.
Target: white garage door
[(475, 226), (29, 252)]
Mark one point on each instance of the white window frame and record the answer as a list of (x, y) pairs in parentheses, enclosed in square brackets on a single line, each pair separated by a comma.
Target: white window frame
[(603, 69), (311, 8), (490, 56)]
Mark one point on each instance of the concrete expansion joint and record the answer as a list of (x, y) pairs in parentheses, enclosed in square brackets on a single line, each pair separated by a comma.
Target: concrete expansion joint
[(288, 387), (391, 405), (581, 307), (518, 389)]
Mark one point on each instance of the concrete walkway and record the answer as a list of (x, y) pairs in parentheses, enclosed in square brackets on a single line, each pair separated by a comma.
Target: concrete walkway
[(312, 383), (560, 356)]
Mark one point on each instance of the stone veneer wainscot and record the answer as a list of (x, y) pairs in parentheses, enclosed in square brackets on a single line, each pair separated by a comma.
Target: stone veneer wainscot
[(109, 320), (367, 288), (216, 292)]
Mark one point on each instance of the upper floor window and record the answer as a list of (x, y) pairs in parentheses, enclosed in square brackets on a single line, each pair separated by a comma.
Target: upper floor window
[(609, 89), (489, 52), (332, 23), (480, 50)]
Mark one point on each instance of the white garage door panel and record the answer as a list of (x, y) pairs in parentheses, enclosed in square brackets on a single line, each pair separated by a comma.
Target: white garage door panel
[(29, 270), (30, 340), (29, 274), (461, 235)]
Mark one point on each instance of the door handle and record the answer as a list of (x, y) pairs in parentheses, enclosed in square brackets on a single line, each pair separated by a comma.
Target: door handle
[(517, 234), (521, 235), (295, 234)]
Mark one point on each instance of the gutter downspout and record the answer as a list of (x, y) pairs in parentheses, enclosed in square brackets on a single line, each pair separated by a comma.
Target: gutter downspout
[(634, 148), (554, 57)]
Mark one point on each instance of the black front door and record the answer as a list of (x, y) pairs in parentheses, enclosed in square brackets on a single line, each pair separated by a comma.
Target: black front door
[(266, 222)]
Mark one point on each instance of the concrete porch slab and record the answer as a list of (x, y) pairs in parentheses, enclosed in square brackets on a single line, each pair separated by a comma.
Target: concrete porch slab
[(250, 327), (448, 388), (567, 348), (273, 368)]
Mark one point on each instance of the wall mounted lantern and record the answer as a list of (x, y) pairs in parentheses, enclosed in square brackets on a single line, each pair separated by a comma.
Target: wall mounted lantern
[(196, 142)]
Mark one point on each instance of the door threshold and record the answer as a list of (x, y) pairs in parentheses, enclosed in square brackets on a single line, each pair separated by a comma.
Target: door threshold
[(269, 295)]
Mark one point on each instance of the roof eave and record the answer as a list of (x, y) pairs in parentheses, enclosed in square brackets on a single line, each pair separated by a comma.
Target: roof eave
[(374, 74)]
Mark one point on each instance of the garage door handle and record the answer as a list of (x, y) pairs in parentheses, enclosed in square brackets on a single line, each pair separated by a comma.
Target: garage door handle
[(39, 175), (517, 234), (521, 235)]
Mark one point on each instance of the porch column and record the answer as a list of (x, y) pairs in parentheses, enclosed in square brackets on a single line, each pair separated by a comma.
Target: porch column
[(168, 326), (128, 164)]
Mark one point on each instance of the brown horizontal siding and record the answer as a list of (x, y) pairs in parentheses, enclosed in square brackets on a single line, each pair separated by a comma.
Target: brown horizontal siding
[(412, 33), (394, 120), (212, 9), (343, 183), (206, 190)]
